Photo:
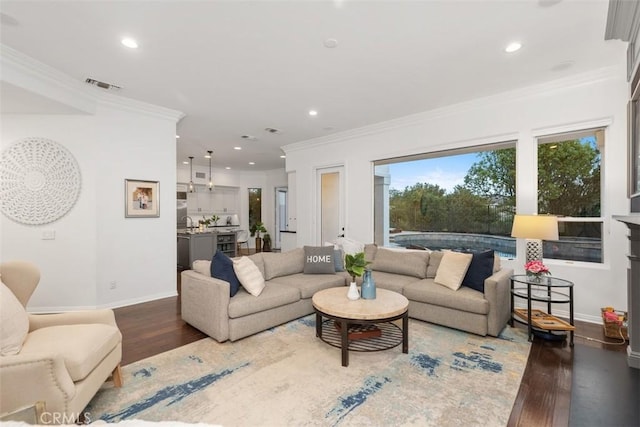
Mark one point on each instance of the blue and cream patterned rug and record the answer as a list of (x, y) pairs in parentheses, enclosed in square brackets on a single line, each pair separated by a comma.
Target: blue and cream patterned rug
[(287, 377)]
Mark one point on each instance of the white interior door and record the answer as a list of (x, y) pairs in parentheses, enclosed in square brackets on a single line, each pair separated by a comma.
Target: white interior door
[(330, 219)]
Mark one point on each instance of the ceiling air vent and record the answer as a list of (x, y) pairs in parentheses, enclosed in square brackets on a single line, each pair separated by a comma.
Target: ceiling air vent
[(201, 175), (103, 85), (249, 137)]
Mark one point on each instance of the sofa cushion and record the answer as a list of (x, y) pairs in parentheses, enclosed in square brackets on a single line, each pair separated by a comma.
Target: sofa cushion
[(391, 281), (310, 284), (480, 268), (249, 275), (258, 261), (434, 262), (464, 299), (81, 346), (15, 322), (273, 295), (319, 260), (452, 269), (222, 268), (370, 250), (202, 266), (338, 260), (349, 246), (408, 263), (283, 264)]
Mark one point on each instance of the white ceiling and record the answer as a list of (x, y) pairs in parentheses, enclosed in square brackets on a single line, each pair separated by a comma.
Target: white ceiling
[(237, 67)]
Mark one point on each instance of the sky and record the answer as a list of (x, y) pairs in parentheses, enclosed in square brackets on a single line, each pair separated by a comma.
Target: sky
[(447, 172)]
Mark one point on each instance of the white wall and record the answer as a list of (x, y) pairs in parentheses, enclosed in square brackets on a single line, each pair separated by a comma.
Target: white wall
[(584, 100), (112, 138)]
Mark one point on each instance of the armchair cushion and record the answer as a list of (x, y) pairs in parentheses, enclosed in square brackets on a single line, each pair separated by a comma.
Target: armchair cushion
[(82, 347), (15, 322)]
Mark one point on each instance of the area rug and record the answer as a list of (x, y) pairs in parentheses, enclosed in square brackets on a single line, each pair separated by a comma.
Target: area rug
[(286, 376)]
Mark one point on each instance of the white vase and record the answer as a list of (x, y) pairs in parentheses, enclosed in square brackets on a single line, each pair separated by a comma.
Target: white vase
[(353, 293)]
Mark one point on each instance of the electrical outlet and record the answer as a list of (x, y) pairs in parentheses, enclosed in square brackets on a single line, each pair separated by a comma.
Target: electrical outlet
[(113, 284), (49, 235)]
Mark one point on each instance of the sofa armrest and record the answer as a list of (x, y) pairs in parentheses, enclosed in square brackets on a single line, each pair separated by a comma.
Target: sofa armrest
[(29, 378), (38, 321), (205, 304), (497, 290)]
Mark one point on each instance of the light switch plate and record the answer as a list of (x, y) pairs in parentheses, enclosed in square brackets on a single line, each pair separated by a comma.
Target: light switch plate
[(48, 235)]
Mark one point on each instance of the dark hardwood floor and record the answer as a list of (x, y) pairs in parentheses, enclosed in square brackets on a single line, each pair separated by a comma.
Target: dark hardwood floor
[(544, 398)]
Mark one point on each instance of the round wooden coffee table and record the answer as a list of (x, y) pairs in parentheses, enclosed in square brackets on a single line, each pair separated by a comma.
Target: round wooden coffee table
[(388, 306)]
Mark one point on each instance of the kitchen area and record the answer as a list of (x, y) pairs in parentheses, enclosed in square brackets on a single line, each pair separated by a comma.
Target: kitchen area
[(207, 221)]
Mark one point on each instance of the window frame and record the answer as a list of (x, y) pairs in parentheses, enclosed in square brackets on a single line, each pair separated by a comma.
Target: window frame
[(600, 133)]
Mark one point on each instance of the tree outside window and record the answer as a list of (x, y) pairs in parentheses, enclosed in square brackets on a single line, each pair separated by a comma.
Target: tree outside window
[(569, 186)]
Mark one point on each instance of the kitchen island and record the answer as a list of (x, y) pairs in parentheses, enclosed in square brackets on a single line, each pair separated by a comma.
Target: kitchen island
[(194, 245)]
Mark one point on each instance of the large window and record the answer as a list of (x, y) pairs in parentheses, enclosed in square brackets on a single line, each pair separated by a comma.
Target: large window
[(569, 185), (463, 199)]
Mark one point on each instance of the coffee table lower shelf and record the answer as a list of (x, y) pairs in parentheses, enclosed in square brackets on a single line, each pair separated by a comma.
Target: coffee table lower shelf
[(381, 336)]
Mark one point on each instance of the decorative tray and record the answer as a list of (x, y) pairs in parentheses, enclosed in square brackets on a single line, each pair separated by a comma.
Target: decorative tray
[(542, 320)]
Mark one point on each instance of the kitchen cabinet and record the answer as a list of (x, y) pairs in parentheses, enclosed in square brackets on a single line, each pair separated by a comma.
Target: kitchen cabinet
[(226, 242), (195, 246), (220, 201)]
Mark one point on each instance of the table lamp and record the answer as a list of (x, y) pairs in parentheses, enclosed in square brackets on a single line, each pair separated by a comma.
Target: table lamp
[(535, 228)]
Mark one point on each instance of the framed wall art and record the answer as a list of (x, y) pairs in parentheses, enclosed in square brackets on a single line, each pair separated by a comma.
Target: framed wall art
[(142, 198)]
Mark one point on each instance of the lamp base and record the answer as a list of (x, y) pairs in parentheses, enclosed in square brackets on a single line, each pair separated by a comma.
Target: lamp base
[(534, 250)]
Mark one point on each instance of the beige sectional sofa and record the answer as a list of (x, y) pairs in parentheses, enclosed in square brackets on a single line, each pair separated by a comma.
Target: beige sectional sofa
[(207, 305)]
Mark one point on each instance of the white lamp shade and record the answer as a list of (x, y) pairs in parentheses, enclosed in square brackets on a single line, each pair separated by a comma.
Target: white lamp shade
[(235, 220), (542, 227)]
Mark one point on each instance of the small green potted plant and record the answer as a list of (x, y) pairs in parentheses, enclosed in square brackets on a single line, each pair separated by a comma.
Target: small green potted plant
[(255, 230), (266, 243), (355, 265)]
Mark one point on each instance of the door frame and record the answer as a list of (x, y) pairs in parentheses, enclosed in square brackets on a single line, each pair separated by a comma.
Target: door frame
[(277, 191), (318, 172)]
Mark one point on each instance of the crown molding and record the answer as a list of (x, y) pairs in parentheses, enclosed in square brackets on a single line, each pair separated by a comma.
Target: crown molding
[(32, 75), (528, 92), (623, 20)]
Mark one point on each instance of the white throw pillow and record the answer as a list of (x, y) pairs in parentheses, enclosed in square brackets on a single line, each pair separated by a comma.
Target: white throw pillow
[(202, 266), (15, 322), (452, 269), (249, 275)]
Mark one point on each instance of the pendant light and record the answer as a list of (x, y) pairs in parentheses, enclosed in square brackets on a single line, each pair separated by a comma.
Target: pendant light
[(210, 176), (191, 174)]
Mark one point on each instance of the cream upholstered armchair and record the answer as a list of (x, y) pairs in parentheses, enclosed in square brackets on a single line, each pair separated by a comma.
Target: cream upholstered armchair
[(59, 359)]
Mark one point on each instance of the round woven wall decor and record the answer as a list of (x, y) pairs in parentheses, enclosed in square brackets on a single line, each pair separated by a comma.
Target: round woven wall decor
[(40, 181)]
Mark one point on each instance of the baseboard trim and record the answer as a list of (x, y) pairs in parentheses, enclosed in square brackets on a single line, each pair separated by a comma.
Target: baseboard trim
[(115, 304)]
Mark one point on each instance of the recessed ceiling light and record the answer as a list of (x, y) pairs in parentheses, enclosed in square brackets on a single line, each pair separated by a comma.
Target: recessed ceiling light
[(252, 163), (130, 43), (185, 163), (207, 156), (228, 167), (177, 136), (237, 148), (283, 157), (513, 47), (330, 43), (313, 113)]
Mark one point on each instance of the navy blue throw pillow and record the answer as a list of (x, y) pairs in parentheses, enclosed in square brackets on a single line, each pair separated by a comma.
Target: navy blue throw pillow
[(480, 268), (222, 268)]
